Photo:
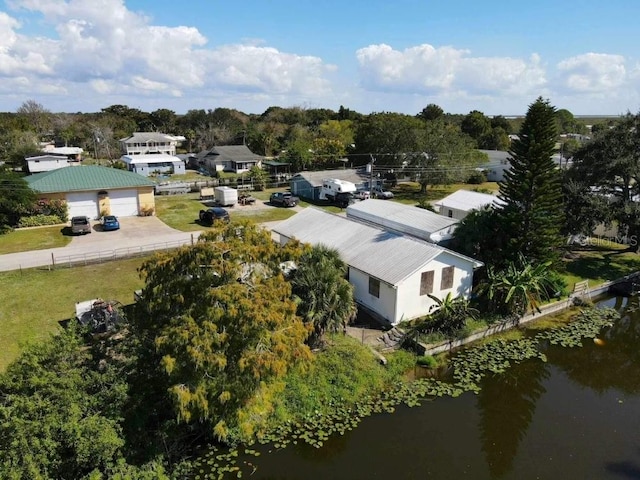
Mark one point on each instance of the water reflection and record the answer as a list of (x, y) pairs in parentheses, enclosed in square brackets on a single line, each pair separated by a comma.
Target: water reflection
[(506, 406), (575, 416)]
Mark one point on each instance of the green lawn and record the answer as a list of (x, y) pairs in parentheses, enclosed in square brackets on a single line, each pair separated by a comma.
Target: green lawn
[(598, 264), (409, 192), (35, 300), (181, 212), (22, 240)]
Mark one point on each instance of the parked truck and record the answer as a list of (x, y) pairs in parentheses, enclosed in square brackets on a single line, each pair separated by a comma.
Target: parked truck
[(338, 192), (283, 199), (225, 196)]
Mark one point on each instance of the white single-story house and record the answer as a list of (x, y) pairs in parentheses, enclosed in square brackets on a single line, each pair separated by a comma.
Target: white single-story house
[(414, 221), (461, 202), (500, 162), (93, 191), (148, 164), (392, 274), (46, 163), (229, 158)]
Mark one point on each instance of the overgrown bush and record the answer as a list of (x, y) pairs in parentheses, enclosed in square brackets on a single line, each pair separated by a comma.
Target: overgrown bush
[(39, 220), (427, 361), (477, 178), (147, 211), (44, 207)]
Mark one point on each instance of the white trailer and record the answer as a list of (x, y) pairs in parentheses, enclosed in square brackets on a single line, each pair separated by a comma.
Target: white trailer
[(226, 196), (337, 191)]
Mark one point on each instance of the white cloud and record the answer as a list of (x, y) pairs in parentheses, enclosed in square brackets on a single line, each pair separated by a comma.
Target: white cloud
[(425, 69), (593, 72), (112, 49)]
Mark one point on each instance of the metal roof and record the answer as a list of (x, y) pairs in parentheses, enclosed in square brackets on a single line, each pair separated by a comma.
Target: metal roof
[(349, 174), (85, 177), (388, 256), (144, 137), (399, 216), (468, 200)]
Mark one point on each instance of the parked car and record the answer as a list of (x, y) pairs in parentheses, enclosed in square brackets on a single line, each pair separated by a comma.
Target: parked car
[(110, 222), (283, 199), (362, 195), (214, 214), (379, 192), (80, 225)]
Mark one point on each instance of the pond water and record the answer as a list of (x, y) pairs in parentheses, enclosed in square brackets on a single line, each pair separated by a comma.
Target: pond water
[(575, 417)]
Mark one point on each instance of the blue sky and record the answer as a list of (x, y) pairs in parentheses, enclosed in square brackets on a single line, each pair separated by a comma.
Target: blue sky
[(84, 55)]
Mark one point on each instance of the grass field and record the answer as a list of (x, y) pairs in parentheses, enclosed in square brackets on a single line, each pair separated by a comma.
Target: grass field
[(597, 264), (35, 301), (33, 239), (409, 192)]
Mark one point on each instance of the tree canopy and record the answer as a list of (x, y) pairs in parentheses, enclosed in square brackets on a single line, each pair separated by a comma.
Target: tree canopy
[(217, 319)]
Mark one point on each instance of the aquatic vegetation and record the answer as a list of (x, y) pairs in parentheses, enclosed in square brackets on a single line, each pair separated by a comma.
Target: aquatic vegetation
[(468, 367)]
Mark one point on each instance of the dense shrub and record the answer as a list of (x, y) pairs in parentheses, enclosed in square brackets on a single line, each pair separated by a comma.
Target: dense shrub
[(427, 361), (44, 207), (477, 178), (39, 220)]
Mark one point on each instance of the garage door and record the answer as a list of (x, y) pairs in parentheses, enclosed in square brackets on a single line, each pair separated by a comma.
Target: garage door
[(83, 204), (124, 203)]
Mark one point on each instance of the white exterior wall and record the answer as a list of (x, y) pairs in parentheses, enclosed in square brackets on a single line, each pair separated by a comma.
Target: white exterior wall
[(455, 213), (412, 305), (46, 165), (384, 305)]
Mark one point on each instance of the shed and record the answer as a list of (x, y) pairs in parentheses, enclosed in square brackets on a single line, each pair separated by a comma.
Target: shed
[(392, 274), (461, 202), (414, 221)]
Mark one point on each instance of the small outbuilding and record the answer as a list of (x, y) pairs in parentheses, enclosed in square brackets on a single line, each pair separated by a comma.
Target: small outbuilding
[(414, 221), (94, 191), (392, 274), (461, 202)]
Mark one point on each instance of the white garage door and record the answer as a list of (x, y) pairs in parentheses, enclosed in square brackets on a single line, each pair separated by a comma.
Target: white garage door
[(83, 204), (123, 203)]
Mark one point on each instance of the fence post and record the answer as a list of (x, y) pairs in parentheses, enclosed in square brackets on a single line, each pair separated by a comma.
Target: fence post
[(53, 260), (192, 239)]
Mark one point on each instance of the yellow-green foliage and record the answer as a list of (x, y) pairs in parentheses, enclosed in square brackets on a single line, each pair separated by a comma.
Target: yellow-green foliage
[(222, 320)]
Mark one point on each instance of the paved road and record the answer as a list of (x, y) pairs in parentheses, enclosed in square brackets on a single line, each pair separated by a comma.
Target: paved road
[(137, 234)]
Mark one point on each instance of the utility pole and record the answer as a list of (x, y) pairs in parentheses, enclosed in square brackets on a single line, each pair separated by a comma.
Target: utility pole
[(371, 175)]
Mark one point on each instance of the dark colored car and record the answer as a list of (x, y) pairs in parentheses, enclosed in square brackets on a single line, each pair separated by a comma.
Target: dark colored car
[(80, 225), (214, 214), (283, 199), (110, 222)]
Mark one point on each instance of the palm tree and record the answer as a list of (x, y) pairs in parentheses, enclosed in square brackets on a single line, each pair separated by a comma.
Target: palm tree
[(450, 315), (325, 297), (519, 288)]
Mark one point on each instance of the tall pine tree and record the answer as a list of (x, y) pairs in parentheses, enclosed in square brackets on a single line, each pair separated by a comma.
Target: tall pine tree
[(532, 215)]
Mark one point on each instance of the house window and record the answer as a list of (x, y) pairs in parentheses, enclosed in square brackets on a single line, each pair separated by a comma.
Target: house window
[(374, 287), (450, 213), (447, 278), (426, 283)]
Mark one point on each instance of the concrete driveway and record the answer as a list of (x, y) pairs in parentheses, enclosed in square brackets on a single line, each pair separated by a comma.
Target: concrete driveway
[(136, 235)]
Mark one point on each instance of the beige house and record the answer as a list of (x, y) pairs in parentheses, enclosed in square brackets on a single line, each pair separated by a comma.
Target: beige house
[(94, 191)]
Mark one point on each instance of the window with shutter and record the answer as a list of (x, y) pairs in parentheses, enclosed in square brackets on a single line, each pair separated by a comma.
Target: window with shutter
[(426, 283), (447, 278)]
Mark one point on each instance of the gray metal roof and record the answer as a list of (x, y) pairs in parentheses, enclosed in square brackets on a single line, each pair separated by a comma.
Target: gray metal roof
[(398, 216), (144, 137), (388, 256), (349, 174), (230, 153), (468, 200)]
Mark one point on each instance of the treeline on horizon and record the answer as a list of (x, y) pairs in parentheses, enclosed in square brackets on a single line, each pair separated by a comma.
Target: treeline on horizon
[(305, 137)]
